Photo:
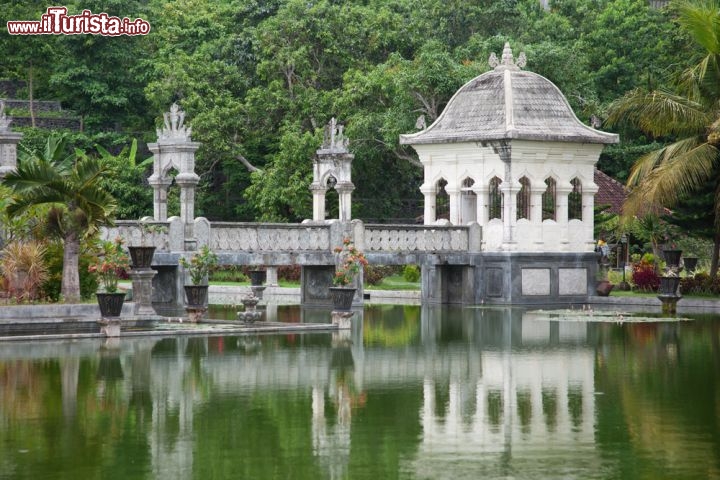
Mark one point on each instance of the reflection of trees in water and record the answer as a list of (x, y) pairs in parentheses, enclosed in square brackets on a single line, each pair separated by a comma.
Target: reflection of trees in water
[(494, 409), (660, 398), (524, 407), (550, 406)]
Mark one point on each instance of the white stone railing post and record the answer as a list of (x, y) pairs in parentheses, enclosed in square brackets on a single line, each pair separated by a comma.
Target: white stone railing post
[(8, 144)]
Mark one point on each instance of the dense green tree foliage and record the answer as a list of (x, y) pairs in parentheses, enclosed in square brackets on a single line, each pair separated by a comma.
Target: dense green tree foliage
[(687, 111), (259, 80)]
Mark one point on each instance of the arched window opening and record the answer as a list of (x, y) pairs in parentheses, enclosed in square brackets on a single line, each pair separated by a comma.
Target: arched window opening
[(575, 200), (468, 204), (548, 200), (442, 200), (523, 199), (495, 206)]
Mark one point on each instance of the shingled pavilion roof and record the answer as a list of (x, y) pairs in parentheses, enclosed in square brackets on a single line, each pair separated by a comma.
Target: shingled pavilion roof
[(508, 103)]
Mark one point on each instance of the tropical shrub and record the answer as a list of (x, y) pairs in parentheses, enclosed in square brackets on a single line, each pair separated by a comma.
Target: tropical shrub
[(228, 273), (24, 269), (644, 276), (290, 273), (700, 284), (411, 273)]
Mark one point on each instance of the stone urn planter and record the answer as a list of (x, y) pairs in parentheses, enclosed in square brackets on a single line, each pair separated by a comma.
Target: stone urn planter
[(690, 264), (110, 304), (342, 298), (196, 295), (604, 287), (141, 256), (257, 277), (669, 285), (672, 257)]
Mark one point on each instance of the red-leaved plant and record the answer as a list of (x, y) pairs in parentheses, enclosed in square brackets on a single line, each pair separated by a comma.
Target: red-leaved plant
[(645, 277)]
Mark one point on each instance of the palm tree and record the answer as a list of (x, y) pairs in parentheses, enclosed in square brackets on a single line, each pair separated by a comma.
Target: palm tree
[(689, 113), (70, 185)]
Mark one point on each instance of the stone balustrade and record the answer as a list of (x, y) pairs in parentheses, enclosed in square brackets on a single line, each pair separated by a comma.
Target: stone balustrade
[(131, 232), (421, 238), (231, 237), (269, 237)]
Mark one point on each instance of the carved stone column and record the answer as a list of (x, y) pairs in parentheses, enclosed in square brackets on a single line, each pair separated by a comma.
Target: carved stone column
[(345, 190), (562, 190), (481, 193), (318, 193), (509, 190), (160, 186), (454, 197), (429, 210)]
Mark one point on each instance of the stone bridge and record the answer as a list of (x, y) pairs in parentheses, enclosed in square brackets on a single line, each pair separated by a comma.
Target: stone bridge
[(310, 245)]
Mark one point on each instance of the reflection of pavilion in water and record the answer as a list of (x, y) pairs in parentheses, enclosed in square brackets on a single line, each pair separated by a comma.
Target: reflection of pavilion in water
[(532, 393), (493, 386)]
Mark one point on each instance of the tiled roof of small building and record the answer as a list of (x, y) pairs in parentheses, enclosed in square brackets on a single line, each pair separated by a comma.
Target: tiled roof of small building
[(610, 192), (508, 103)]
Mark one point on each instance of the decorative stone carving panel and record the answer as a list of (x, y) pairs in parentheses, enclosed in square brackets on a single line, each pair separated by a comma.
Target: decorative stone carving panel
[(417, 239), (131, 234), (269, 238)]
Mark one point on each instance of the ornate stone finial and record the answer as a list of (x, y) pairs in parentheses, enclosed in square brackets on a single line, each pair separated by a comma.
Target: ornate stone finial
[(507, 61), (493, 61), (4, 120), (173, 128), (334, 139), (521, 60)]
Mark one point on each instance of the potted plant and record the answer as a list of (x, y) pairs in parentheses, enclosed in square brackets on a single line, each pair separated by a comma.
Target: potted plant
[(112, 264), (142, 255), (198, 268), (350, 261)]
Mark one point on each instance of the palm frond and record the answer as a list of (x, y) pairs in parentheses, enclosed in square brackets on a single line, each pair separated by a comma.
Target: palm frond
[(701, 19), (660, 113), (673, 179), (648, 162), (31, 174)]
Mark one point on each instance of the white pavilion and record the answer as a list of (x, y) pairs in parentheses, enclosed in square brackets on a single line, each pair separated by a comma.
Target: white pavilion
[(509, 153)]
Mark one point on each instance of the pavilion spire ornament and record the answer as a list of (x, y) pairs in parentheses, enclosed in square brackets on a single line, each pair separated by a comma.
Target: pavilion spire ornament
[(334, 139), (507, 62), (332, 169), (174, 128)]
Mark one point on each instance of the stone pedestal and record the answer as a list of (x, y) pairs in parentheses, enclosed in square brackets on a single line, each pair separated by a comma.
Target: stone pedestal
[(272, 276), (195, 314), (250, 314), (110, 327), (257, 290), (669, 304), (142, 290), (343, 320)]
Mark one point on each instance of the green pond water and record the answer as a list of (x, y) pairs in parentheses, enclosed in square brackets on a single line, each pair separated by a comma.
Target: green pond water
[(407, 393)]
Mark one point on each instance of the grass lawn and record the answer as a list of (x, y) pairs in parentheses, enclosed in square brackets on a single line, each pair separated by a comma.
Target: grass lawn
[(395, 282)]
